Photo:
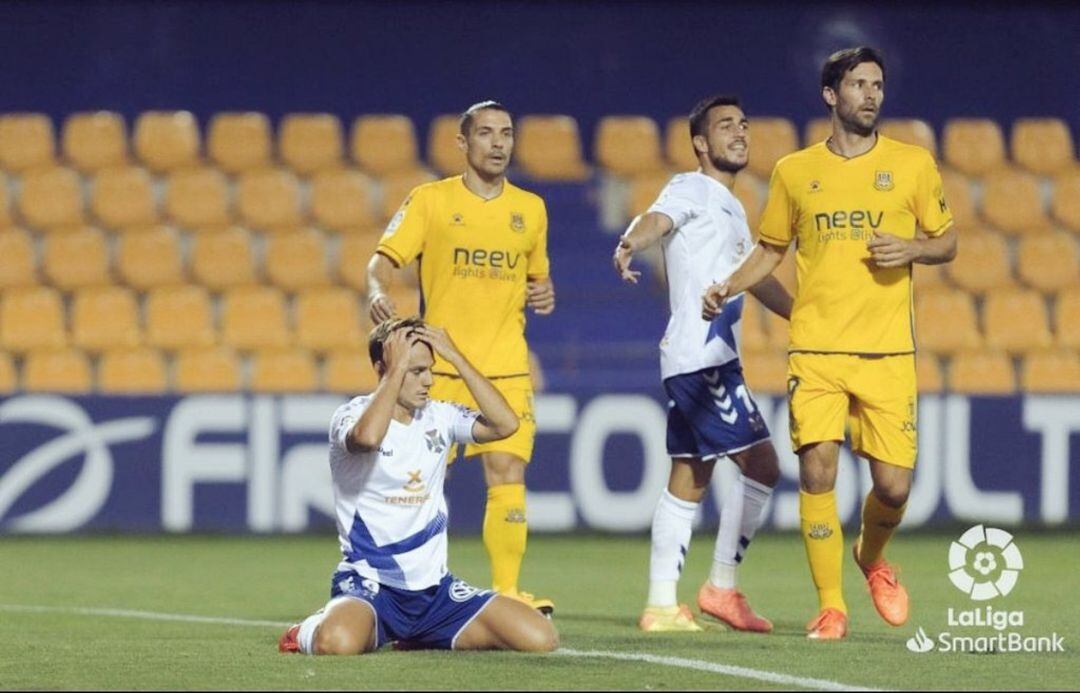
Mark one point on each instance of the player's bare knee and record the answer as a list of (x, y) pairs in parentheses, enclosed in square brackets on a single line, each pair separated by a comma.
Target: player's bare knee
[(331, 639), (541, 636), (893, 495)]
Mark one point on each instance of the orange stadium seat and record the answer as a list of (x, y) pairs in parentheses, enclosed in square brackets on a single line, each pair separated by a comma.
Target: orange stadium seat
[(1067, 318), (331, 318), (9, 380), (349, 371), (945, 321), (132, 371), (76, 259), (57, 370), (223, 259), (353, 256), (982, 373), (342, 201), (1015, 320), (6, 218), (179, 317), (384, 144), (311, 142), (31, 318), (1065, 205), (124, 198), (297, 260), (751, 193), (443, 152), (96, 140), (983, 264), (1042, 145), (1013, 203), (284, 370), (27, 141), (198, 198), (628, 145), (269, 199), (167, 140), (771, 139), (51, 197), (406, 299), (958, 195), (396, 187), (254, 317), (1049, 262), (548, 147), (753, 336), (816, 130), (214, 369), (18, 263), (974, 146), (150, 258), (644, 190), (766, 370), (240, 142), (1051, 371), (928, 276), (777, 329), (105, 318), (910, 131), (928, 376), (677, 147)]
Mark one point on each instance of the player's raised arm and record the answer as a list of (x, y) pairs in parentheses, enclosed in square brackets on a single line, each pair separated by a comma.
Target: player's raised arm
[(370, 429), (763, 260), (645, 230)]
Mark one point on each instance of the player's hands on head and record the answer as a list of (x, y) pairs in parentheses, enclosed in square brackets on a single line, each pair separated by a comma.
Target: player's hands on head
[(396, 349), (439, 339), (887, 250), (621, 259), (712, 303), (380, 308), (540, 296)]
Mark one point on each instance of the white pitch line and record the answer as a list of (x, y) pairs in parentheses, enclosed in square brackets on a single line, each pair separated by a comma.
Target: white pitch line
[(683, 663)]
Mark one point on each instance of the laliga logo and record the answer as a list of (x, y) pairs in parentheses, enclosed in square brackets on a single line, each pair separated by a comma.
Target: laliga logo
[(985, 563), (80, 436)]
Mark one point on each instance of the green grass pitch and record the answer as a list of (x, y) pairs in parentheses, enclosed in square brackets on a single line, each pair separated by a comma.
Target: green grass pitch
[(598, 583)]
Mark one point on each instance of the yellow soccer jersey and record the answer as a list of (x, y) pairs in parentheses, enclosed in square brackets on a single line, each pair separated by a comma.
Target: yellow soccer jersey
[(475, 258), (831, 206)]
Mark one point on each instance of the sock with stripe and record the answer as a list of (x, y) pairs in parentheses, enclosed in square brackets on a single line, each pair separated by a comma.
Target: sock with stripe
[(740, 518), (671, 528)]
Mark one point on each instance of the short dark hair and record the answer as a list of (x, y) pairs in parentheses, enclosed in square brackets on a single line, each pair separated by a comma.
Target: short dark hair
[(842, 62), (470, 113), (382, 332), (700, 112)]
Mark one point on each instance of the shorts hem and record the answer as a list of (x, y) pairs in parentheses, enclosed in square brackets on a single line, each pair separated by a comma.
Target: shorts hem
[(453, 640), (714, 455)]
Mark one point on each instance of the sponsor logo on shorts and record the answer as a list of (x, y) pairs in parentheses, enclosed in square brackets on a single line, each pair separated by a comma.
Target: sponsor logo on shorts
[(461, 591), (820, 531)]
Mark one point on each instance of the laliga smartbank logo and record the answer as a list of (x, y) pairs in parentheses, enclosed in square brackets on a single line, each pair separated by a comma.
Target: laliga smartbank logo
[(984, 564)]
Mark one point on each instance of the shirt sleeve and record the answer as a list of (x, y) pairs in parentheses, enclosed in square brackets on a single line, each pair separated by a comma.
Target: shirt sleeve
[(680, 201), (403, 239), (344, 419), (539, 264), (778, 220), (462, 420), (931, 210)]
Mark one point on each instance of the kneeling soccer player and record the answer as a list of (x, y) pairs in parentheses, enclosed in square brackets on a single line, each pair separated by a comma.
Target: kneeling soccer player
[(388, 453)]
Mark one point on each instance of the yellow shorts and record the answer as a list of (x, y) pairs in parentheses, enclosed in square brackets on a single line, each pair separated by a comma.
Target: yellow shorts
[(876, 395), (518, 393)]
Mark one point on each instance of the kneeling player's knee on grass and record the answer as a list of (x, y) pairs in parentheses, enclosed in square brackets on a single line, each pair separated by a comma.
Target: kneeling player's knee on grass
[(539, 636), (333, 639)]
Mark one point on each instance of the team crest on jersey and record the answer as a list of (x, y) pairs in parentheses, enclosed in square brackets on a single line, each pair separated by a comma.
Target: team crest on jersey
[(434, 440), (517, 221), (883, 181), (415, 484)]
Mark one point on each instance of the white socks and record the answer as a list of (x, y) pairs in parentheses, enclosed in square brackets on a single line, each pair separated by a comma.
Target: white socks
[(739, 520), (671, 528), (306, 636)]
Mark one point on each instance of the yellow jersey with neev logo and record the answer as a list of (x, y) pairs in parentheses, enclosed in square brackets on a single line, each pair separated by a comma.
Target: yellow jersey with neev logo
[(475, 258), (831, 206)]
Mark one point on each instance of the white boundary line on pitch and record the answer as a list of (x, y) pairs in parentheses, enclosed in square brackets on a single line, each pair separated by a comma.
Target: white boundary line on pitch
[(683, 663)]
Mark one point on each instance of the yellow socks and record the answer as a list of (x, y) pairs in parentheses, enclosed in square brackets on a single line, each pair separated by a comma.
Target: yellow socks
[(879, 521), (824, 541), (505, 532)]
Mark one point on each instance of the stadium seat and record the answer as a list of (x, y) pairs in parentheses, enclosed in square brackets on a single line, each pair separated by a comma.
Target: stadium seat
[(1015, 320), (766, 370), (311, 142), (1043, 146), (548, 147), (771, 139), (349, 371), (406, 299), (6, 217), (297, 260), (1067, 318), (384, 144), (1013, 203), (331, 318), (974, 146), (51, 197), (751, 193), (928, 376), (396, 187), (223, 259), (753, 336), (27, 141), (124, 198), (1051, 371), (678, 150), (198, 198), (910, 131), (778, 330), (284, 370), (628, 145), (9, 380), (179, 317), (269, 199), (945, 321), (353, 256), (64, 370), (31, 318), (254, 317), (213, 369), (96, 140), (443, 153), (816, 130), (644, 190), (342, 201), (150, 258), (983, 264), (132, 371), (1049, 262), (167, 140), (18, 263), (239, 142), (958, 195), (928, 276), (1065, 205), (105, 318), (982, 373), (75, 259)]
